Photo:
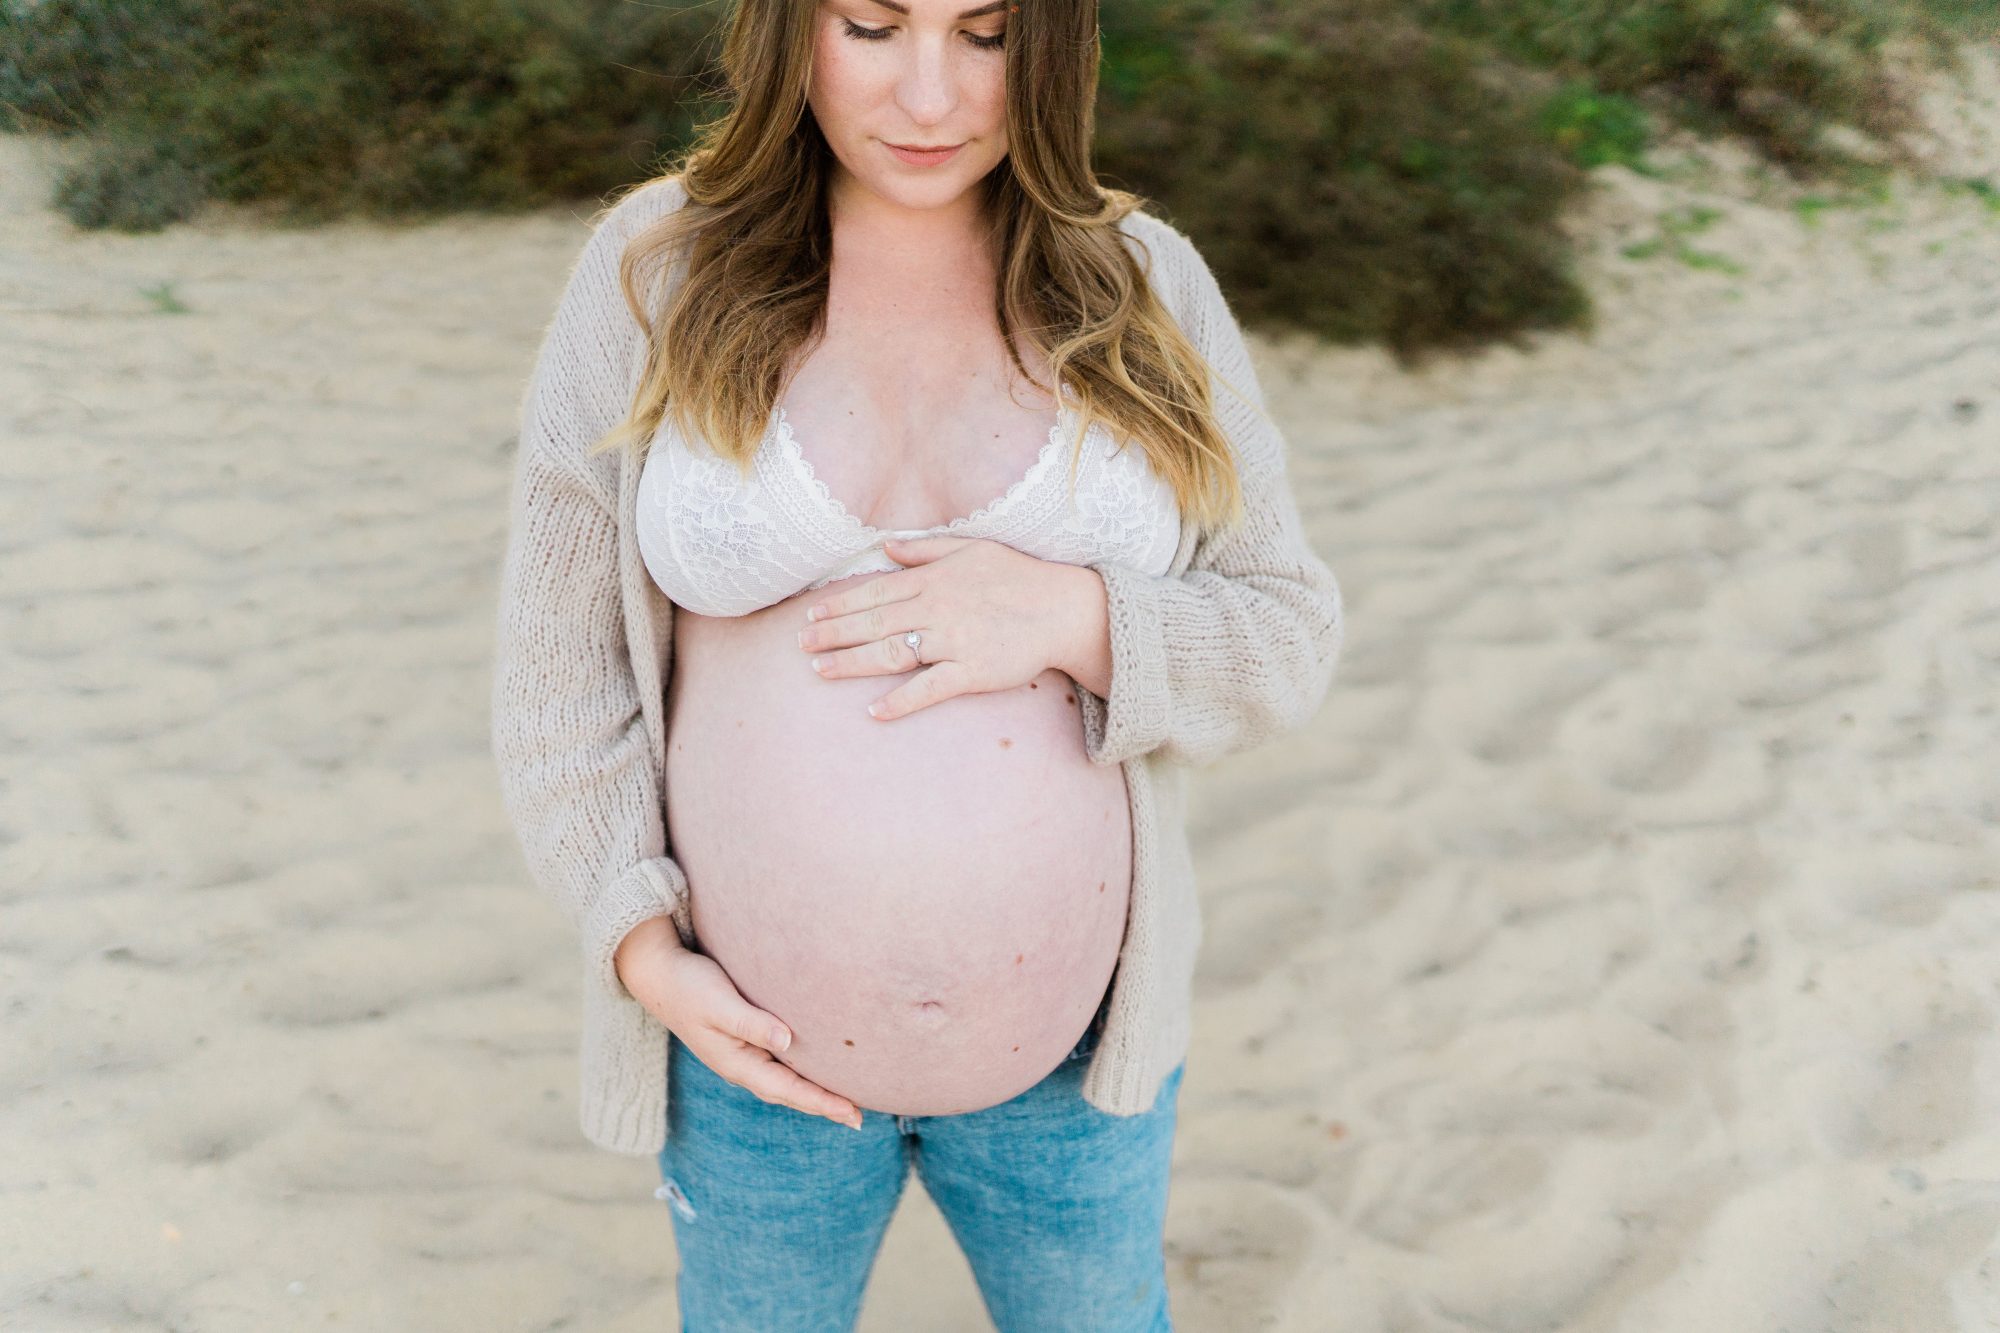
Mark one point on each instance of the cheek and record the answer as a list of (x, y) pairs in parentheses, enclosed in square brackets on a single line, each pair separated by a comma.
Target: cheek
[(991, 98), (985, 87), (839, 81)]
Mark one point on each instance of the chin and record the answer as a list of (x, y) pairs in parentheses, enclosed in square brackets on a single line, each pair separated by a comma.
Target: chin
[(923, 194)]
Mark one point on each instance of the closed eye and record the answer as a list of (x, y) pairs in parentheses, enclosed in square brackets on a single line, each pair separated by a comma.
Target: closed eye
[(855, 30)]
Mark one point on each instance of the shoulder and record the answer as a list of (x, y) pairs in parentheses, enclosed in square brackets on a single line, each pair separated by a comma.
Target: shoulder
[(594, 294), (1175, 268), (647, 202), (633, 210), (1162, 248)]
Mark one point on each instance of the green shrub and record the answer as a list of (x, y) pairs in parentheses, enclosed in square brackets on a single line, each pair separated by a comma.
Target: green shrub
[(386, 107), (1777, 74), (64, 64), (1390, 171), (1355, 174), (1595, 128), (131, 186)]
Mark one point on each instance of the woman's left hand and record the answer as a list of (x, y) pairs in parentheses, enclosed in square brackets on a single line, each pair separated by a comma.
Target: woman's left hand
[(991, 618)]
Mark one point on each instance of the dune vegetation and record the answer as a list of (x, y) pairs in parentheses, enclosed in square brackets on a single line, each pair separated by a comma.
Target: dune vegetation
[(1388, 171)]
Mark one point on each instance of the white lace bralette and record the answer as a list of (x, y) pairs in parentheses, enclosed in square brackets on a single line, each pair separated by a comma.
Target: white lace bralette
[(722, 545)]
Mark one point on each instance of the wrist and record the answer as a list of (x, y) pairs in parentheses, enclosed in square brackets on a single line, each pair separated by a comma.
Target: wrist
[(654, 935), (1086, 646)]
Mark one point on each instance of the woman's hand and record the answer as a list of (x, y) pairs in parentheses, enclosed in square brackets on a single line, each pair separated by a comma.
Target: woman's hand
[(991, 617), (695, 1000)]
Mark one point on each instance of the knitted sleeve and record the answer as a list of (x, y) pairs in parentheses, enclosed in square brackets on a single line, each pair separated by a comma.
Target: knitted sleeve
[(1243, 644), (568, 736)]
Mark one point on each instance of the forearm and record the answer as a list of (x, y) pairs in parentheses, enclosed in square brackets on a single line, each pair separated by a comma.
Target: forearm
[(576, 781), (1086, 648), (568, 735), (577, 774), (1242, 642), (1235, 649), (1205, 664)]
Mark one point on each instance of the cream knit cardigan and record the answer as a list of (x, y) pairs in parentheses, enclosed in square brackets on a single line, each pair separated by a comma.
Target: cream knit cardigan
[(1235, 644)]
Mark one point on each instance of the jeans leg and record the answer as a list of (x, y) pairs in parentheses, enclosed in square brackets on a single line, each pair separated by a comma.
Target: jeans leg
[(1060, 1207), (778, 1215)]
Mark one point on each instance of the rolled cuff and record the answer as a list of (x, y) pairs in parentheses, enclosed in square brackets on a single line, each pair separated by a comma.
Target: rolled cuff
[(1134, 718), (652, 887)]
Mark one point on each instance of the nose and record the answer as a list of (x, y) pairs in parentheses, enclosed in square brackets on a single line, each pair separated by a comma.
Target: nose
[(927, 89)]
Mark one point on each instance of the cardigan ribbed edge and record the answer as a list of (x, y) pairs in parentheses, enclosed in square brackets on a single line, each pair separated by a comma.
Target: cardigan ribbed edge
[(1235, 644)]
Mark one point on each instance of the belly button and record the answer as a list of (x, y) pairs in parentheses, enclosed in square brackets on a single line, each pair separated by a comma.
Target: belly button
[(930, 1011)]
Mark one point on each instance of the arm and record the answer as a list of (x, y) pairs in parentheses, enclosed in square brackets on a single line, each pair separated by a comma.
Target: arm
[(1244, 644), (568, 737)]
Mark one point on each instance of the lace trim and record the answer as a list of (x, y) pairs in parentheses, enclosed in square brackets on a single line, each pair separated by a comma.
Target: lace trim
[(719, 543), (986, 513)]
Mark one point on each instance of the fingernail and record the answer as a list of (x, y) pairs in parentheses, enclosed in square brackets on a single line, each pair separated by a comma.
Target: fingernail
[(781, 1039)]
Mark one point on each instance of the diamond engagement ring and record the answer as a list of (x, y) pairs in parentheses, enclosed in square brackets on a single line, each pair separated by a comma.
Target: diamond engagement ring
[(913, 639)]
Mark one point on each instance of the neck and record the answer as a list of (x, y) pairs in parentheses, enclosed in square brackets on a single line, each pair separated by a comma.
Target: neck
[(947, 245)]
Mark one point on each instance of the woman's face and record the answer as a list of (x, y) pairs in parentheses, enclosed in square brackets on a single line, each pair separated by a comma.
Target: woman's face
[(917, 73)]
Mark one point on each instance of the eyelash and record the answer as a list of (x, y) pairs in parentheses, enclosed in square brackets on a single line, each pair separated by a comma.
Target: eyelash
[(878, 34)]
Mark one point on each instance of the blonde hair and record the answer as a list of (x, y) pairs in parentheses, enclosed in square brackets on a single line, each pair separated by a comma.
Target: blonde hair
[(755, 235)]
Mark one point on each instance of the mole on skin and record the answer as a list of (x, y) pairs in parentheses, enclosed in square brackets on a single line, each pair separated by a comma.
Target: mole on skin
[(770, 787)]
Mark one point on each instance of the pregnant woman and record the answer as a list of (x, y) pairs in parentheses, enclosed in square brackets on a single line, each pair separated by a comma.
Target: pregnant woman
[(896, 516)]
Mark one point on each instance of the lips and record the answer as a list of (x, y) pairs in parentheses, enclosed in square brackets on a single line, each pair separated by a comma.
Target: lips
[(921, 157)]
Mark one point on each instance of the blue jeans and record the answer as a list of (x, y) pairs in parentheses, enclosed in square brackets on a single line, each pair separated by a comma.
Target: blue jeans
[(778, 1215)]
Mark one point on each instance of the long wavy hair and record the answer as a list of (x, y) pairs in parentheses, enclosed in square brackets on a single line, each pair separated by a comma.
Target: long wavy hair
[(755, 234)]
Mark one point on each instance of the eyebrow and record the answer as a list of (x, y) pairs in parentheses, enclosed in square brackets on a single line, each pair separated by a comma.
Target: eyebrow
[(904, 9)]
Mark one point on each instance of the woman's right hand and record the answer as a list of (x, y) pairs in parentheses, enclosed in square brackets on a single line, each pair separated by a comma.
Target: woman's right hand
[(694, 998)]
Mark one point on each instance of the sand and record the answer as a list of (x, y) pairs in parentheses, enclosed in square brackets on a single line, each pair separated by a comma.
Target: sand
[(1616, 950)]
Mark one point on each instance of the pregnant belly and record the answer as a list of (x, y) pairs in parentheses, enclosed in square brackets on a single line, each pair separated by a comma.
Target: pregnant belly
[(934, 904)]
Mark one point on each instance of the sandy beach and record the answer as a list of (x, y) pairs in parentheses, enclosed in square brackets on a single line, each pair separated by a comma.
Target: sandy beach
[(1618, 949)]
